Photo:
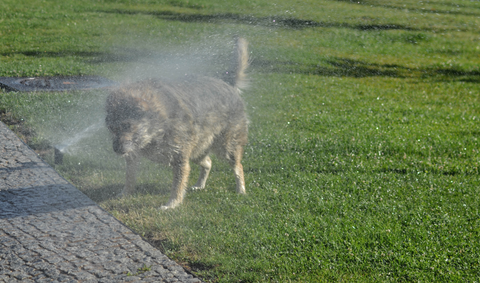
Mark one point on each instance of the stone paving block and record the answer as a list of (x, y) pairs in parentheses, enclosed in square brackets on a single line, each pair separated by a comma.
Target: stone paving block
[(52, 232)]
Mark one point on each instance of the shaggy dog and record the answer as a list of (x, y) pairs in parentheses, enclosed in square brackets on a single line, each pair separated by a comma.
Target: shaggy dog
[(173, 122)]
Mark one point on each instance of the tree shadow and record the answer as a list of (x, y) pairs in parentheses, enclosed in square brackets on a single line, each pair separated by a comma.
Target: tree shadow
[(419, 10), (450, 74), (345, 67), (64, 53), (431, 171), (272, 21), (94, 57), (340, 67), (336, 67), (35, 200)]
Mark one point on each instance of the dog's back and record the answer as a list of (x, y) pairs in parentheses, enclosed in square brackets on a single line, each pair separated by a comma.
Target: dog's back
[(199, 111)]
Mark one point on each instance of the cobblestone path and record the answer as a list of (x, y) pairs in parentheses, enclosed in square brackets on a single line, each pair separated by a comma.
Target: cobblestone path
[(51, 232)]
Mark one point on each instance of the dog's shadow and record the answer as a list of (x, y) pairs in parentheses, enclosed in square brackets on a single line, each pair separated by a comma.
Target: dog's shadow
[(107, 192), (113, 191)]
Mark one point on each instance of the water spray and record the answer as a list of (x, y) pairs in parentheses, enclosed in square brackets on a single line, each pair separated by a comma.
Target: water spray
[(64, 147)]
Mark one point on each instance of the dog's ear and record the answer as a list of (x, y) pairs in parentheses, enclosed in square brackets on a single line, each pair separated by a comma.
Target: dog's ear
[(144, 104), (120, 106), (150, 106)]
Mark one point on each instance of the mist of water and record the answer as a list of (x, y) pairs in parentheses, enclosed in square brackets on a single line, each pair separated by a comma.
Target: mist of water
[(209, 58), (68, 145), (78, 128)]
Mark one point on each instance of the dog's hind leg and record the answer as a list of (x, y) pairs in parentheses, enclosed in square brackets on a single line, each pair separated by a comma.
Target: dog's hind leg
[(205, 166), (235, 159), (181, 170), (131, 163)]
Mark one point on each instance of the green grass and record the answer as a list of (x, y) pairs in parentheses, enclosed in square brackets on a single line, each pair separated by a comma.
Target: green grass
[(363, 156)]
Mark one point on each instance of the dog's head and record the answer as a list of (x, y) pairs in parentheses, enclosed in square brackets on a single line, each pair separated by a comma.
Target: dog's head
[(130, 121)]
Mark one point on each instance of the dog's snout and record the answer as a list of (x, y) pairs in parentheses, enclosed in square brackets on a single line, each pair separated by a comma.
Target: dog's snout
[(117, 146), (123, 145)]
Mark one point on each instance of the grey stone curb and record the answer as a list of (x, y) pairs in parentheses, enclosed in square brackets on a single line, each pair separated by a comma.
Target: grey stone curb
[(52, 232)]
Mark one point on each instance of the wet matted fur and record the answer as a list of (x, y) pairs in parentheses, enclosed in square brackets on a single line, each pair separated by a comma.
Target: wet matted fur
[(173, 122)]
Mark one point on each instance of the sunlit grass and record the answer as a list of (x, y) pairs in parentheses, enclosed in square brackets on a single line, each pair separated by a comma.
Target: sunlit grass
[(363, 156)]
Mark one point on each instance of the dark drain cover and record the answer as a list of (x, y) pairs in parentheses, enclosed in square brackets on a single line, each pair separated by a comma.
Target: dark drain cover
[(55, 83)]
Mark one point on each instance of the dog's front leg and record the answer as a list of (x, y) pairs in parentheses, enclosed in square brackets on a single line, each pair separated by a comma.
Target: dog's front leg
[(181, 170), (205, 166), (131, 164)]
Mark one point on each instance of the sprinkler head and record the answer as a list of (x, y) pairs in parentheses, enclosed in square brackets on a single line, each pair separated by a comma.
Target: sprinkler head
[(58, 158)]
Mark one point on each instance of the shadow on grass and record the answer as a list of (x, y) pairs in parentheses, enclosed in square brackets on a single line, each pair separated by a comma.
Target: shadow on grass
[(401, 8), (94, 57), (344, 67), (65, 53), (431, 171), (335, 67), (340, 67), (332, 66), (104, 193), (167, 246), (456, 74), (272, 21), (112, 191)]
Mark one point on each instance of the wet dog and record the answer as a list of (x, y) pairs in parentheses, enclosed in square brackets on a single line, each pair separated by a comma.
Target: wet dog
[(173, 122)]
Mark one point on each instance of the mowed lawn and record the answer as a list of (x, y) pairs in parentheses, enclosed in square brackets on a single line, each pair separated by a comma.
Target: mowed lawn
[(363, 156)]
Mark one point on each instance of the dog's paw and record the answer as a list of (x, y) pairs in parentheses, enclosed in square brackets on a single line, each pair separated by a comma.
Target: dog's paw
[(196, 188), (126, 191), (121, 194), (169, 205), (241, 190)]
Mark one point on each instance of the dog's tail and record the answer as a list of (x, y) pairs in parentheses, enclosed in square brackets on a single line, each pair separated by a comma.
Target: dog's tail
[(237, 77)]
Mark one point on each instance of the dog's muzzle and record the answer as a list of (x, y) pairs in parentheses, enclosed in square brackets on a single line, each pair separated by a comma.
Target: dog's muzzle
[(122, 147), (117, 147)]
